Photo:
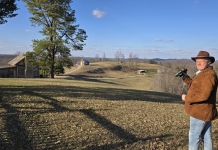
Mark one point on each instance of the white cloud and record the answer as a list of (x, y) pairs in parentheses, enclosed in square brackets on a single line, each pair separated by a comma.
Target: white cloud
[(29, 30), (118, 49), (19, 46), (154, 51), (176, 49), (160, 40), (157, 47), (212, 48), (98, 14)]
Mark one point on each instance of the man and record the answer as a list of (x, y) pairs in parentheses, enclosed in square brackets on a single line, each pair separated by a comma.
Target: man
[(200, 101)]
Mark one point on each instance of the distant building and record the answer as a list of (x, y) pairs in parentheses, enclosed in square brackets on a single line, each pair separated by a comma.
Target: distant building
[(82, 62), (17, 68)]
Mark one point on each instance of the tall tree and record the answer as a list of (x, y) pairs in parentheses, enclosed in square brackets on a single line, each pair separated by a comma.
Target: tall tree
[(7, 9), (58, 26)]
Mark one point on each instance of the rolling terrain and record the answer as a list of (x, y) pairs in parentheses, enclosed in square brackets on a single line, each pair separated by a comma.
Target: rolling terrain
[(93, 108)]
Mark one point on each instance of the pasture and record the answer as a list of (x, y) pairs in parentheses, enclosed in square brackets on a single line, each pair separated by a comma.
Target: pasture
[(112, 110)]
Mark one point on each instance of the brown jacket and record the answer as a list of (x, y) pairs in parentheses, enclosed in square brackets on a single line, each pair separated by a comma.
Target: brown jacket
[(200, 101)]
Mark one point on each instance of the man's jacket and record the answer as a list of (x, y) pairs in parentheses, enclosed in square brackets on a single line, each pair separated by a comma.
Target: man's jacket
[(200, 101)]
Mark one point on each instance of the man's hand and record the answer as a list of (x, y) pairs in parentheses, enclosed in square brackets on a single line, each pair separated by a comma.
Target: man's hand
[(183, 97)]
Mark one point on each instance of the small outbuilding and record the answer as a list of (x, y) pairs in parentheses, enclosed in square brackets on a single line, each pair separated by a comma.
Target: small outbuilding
[(141, 72), (83, 62)]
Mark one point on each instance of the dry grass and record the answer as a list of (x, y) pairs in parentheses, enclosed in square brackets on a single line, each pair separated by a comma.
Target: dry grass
[(107, 69), (90, 114)]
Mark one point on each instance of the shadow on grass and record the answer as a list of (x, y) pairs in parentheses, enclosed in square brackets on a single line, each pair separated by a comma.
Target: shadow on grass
[(94, 79), (96, 93), (15, 129), (127, 137)]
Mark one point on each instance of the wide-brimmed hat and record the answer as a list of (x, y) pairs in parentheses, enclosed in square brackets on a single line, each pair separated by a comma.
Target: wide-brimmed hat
[(204, 55)]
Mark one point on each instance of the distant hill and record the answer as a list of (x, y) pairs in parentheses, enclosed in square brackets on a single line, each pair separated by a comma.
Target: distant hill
[(160, 59), (5, 58)]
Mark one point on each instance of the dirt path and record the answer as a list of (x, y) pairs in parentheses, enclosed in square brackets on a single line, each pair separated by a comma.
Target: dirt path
[(73, 70)]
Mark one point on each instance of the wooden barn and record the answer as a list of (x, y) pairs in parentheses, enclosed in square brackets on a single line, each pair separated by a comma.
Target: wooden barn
[(17, 68)]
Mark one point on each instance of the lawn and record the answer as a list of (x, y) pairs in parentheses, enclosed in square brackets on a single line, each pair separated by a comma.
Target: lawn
[(91, 114)]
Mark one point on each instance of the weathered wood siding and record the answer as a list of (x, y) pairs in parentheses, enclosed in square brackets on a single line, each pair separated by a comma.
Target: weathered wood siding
[(7, 72), (18, 69)]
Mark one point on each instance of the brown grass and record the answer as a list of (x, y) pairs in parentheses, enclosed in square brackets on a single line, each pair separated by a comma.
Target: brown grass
[(91, 113), (109, 69)]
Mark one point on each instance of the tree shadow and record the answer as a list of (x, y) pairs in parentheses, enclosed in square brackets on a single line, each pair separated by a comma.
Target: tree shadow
[(116, 94), (126, 136), (87, 78), (18, 129), (15, 130)]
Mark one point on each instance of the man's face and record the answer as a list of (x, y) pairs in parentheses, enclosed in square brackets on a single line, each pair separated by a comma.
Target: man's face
[(201, 63)]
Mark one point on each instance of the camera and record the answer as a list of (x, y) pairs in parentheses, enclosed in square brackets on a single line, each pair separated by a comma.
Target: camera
[(181, 73)]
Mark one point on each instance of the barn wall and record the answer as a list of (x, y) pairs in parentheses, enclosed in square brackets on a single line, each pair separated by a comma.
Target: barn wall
[(7, 72), (19, 71)]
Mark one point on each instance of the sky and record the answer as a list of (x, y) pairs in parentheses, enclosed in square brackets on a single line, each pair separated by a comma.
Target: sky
[(164, 29)]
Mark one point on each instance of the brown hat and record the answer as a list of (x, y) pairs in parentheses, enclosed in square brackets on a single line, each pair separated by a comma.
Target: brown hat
[(204, 55)]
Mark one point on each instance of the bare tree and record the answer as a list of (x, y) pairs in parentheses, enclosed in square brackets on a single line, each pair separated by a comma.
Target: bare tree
[(165, 80), (97, 57), (122, 56), (130, 60), (119, 56), (135, 58), (19, 53), (144, 60), (103, 57)]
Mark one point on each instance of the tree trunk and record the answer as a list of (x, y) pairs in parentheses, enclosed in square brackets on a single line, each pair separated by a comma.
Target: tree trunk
[(52, 71), (52, 65)]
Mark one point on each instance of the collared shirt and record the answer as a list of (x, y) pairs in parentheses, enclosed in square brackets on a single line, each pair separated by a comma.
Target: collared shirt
[(198, 72)]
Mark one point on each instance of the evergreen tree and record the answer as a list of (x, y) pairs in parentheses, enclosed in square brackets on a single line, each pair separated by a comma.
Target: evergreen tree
[(7, 8), (58, 26)]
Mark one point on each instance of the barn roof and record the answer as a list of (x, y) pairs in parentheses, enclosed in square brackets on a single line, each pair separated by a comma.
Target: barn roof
[(16, 60), (6, 66)]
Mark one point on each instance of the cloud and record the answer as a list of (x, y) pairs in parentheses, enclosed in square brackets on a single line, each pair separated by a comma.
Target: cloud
[(155, 47), (211, 41), (96, 46), (160, 40), (212, 48), (196, 2), (98, 14), (29, 30)]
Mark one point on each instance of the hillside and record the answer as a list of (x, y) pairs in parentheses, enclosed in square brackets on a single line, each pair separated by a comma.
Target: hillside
[(110, 71), (4, 59)]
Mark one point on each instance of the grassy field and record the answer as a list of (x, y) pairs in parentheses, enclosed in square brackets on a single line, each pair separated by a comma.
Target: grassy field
[(112, 112)]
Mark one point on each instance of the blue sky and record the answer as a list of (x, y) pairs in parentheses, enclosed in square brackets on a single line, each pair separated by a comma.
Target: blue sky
[(148, 28)]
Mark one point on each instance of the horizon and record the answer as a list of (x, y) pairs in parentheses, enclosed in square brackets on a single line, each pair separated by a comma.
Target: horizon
[(111, 57)]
